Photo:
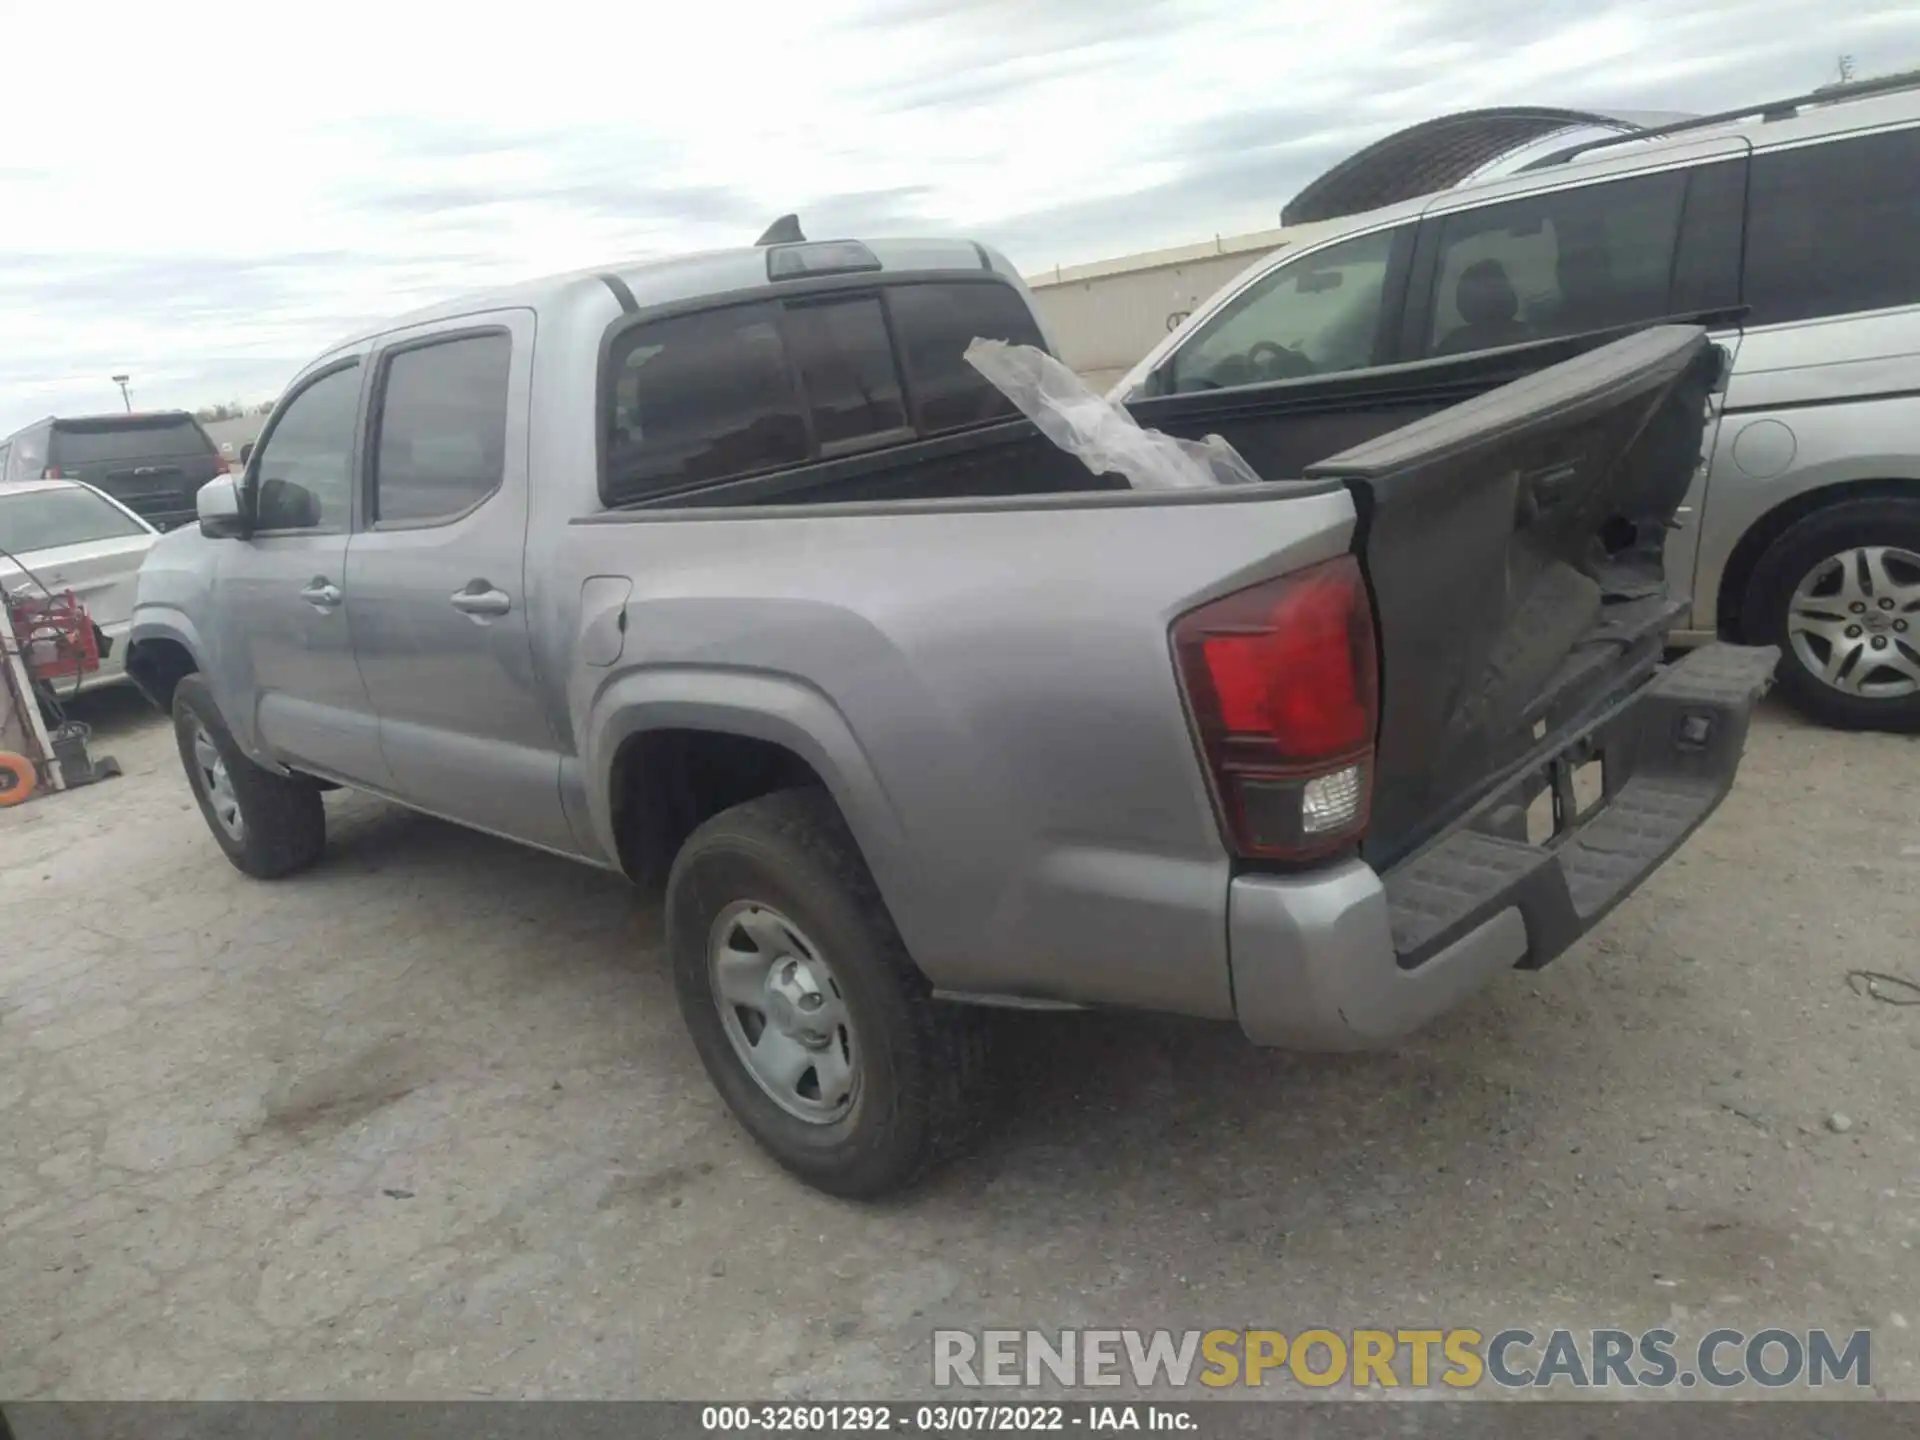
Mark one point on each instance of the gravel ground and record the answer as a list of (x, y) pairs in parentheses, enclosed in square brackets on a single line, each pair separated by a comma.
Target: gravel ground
[(423, 1122)]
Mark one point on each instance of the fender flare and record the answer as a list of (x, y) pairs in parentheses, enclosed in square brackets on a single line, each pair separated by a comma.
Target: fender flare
[(156, 622), (758, 705)]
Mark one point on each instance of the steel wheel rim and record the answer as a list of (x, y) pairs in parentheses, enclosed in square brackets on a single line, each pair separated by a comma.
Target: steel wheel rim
[(1854, 622), (217, 784), (784, 1012)]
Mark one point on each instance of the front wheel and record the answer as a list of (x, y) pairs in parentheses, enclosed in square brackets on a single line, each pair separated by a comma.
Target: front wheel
[(1839, 593), (268, 825), (812, 1021)]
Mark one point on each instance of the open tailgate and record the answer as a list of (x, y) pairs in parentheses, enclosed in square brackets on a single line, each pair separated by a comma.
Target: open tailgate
[(1514, 549)]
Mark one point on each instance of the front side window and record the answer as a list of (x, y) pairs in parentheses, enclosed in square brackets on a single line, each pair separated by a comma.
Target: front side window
[(443, 429), (1833, 229), (304, 465), (1557, 264), (47, 519), (699, 398), (1318, 315)]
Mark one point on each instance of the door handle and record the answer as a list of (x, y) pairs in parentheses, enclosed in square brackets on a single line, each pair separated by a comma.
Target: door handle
[(481, 601), (322, 594)]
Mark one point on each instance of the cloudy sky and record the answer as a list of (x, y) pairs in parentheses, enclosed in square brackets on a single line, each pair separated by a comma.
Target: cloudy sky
[(206, 193)]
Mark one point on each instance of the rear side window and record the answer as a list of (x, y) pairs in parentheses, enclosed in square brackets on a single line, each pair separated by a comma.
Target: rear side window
[(443, 429), (112, 441), (934, 323), (1834, 228), (699, 398), (1589, 258)]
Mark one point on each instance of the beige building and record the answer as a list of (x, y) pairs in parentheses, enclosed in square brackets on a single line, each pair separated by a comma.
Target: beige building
[(1104, 316)]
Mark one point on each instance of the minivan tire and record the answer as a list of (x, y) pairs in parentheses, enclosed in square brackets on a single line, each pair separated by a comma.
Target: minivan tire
[(282, 824), (919, 1067), (1788, 562)]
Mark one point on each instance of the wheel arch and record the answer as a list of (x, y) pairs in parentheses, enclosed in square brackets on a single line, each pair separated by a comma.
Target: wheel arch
[(159, 656), (667, 748), (1736, 577)]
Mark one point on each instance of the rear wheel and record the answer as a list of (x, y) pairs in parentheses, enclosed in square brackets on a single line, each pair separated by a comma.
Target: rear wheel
[(811, 1019), (268, 825), (1839, 593)]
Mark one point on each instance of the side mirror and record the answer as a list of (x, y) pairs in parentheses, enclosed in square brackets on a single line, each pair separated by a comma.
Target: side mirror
[(218, 505), (246, 452)]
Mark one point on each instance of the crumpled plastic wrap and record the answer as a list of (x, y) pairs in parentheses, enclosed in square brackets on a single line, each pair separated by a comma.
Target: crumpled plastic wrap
[(1105, 437)]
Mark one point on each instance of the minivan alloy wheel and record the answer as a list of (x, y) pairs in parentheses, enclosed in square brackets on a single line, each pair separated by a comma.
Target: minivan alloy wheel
[(1854, 622), (783, 1012)]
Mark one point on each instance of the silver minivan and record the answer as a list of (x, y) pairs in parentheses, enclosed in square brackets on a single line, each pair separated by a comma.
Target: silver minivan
[(1793, 232)]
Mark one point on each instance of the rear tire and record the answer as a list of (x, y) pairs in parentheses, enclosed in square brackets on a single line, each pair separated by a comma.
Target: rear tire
[(774, 896), (268, 825), (1829, 588)]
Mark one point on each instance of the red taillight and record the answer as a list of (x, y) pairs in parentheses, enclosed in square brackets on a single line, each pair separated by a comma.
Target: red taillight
[(1283, 684)]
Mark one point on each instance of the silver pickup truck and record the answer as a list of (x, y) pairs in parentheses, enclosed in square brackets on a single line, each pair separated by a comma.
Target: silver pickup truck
[(729, 573)]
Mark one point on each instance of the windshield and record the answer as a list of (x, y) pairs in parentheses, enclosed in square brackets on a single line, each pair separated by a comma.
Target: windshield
[(94, 442), (45, 519)]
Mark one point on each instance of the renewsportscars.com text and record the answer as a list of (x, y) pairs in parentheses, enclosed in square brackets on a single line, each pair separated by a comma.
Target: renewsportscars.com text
[(1362, 1359)]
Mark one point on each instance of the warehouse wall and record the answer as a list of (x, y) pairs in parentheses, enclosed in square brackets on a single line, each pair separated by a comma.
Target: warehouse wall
[(1105, 316)]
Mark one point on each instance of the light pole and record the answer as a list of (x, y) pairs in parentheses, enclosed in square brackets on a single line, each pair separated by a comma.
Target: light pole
[(125, 398)]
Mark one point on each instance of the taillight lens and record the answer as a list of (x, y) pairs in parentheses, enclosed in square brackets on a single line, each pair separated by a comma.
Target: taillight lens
[(1282, 680)]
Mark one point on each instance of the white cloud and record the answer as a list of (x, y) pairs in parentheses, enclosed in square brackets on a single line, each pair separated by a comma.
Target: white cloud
[(206, 193)]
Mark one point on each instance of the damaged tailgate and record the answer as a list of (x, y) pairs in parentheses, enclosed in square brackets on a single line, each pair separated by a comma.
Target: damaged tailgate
[(1533, 751)]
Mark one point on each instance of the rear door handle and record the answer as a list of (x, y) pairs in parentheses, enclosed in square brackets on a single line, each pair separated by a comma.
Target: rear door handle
[(322, 594), (481, 601)]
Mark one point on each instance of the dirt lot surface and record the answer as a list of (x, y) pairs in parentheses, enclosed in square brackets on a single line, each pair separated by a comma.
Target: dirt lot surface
[(424, 1122)]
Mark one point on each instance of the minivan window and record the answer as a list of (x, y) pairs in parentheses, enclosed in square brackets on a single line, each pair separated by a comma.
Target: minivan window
[(443, 429), (701, 397), (934, 323), (1586, 258), (846, 367), (1317, 315), (304, 463), (78, 443), (1834, 228)]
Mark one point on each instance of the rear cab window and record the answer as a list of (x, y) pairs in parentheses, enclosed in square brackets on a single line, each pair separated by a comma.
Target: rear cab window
[(749, 389), (136, 439)]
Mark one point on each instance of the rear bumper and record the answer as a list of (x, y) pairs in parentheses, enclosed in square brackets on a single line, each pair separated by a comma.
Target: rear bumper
[(1347, 959)]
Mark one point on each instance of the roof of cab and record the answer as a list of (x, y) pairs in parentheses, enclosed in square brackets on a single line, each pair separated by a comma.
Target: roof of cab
[(676, 278)]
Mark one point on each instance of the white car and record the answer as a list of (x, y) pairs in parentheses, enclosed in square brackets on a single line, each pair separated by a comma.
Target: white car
[(70, 536)]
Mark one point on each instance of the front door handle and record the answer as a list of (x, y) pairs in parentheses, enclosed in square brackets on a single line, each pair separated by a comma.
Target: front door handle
[(481, 601), (322, 594)]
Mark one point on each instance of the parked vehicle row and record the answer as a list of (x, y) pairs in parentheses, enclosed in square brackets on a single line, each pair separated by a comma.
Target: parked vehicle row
[(153, 462), (62, 535), (1788, 231), (743, 582)]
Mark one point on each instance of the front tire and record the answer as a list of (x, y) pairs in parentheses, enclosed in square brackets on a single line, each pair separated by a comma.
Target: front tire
[(1839, 593), (813, 1022), (268, 825)]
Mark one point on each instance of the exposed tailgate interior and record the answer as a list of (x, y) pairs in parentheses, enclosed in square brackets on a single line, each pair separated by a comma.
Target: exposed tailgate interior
[(1514, 546)]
